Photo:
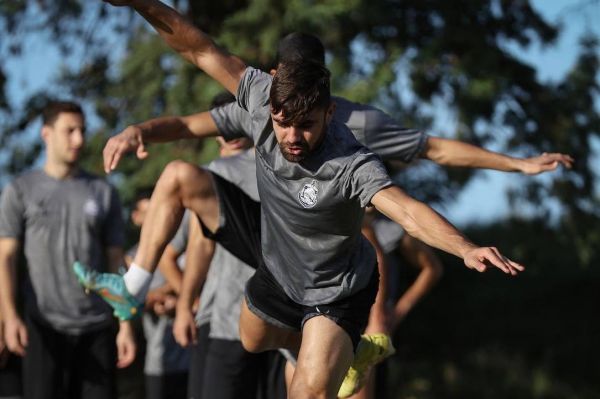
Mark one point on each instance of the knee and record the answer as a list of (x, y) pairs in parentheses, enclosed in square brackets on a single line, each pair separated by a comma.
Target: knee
[(181, 172), (250, 342), (303, 387)]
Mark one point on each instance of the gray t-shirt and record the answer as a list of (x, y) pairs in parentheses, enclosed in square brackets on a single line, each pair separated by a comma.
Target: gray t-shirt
[(60, 222), (372, 127), (388, 233), (312, 210)]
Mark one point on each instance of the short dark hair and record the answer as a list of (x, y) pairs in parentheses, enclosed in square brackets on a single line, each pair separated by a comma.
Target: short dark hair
[(300, 46), (298, 88), (54, 108)]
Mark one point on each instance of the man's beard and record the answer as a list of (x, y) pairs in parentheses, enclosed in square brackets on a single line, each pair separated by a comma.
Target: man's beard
[(285, 151)]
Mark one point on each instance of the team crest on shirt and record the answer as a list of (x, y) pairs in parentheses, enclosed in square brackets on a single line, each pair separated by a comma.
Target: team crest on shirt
[(308, 196), (91, 208)]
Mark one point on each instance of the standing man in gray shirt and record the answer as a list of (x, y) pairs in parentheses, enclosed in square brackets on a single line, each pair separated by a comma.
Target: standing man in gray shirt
[(61, 214), (316, 277)]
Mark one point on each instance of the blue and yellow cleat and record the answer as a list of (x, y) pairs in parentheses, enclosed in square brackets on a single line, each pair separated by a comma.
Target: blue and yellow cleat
[(372, 349), (111, 288)]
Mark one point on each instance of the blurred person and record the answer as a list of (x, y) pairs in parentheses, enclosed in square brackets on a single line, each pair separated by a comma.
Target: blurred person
[(314, 283), (58, 215), (166, 363)]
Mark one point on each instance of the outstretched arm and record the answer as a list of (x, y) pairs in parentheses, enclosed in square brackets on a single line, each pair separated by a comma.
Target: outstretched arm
[(423, 223), (158, 130), (456, 153), (189, 41)]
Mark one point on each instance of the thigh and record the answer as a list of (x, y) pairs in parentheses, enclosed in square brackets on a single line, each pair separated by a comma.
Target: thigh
[(350, 313), (261, 330), (95, 365), (43, 362), (231, 372), (10, 378), (198, 363), (324, 358)]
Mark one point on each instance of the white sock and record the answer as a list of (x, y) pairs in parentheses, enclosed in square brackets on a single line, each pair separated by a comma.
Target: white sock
[(137, 281)]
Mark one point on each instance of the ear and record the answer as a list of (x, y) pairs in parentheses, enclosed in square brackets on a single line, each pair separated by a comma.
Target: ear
[(45, 132), (272, 72), (330, 112)]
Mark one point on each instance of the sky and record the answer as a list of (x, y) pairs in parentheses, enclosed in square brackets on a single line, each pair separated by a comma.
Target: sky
[(486, 192)]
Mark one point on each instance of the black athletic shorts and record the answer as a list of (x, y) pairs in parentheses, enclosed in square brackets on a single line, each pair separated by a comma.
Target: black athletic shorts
[(239, 233), (266, 298)]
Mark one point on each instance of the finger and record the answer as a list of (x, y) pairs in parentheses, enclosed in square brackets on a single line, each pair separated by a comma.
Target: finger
[(504, 260), (15, 346), (492, 258), (477, 265), (514, 266), (116, 158), (141, 151), (107, 156)]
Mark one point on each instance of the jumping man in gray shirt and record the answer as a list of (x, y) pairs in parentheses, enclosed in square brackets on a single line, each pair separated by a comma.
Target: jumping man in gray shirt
[(318, 179)]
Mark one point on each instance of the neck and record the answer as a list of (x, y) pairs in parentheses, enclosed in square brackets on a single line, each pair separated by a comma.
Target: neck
[(60, 170)]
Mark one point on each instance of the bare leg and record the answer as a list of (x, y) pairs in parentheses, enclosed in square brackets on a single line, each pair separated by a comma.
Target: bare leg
[(325, 356), (257, 335), (181, 185)]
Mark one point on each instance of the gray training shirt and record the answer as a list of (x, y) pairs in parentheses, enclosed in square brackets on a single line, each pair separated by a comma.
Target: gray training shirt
[(59, 222), (312, 210)]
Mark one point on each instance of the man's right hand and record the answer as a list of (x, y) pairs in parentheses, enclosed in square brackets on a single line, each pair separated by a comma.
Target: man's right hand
[(15, 335), (128, 140), (184, 327)]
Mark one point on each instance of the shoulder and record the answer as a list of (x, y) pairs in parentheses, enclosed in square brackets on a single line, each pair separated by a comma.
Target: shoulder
[(28, 179)]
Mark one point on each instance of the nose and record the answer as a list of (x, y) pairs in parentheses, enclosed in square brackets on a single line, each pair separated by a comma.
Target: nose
[(294, 135), (77, 138)]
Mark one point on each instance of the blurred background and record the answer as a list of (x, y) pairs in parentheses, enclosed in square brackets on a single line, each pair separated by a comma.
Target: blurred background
[(519, 76)]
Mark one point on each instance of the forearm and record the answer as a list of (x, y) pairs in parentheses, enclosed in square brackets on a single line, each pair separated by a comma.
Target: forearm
[(456, 153), (8, 283), (421, 222), (191, 43), (171, 128), (169, 268)]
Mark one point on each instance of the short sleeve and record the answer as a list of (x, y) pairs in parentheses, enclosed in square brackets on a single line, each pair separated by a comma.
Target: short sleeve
[(114, 229), (366, 177), (12, 213), (253, 96), (180, 241), (232, 121), (388, 139)]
